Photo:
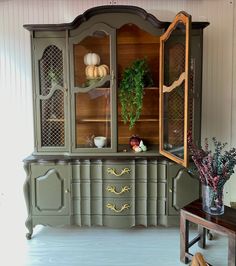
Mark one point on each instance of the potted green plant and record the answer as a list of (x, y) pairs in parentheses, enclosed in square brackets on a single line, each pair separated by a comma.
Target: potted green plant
[(131, 90)]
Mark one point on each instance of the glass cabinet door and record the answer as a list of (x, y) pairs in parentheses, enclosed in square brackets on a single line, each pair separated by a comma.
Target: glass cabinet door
[(174, 82), (94, 99), (51, 92)]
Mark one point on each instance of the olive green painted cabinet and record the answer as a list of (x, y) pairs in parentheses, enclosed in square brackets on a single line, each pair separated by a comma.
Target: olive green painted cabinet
[(115, 193), (83, 170)]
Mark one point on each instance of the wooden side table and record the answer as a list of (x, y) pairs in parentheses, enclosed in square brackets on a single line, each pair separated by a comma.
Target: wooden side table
[(223, 224)]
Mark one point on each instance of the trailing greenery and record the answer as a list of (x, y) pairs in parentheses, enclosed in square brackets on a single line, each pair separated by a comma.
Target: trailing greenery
[(131, 90)]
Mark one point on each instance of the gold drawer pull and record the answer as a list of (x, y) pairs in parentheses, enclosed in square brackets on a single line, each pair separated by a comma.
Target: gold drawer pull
[(112, 171), (113, 207), (112, 189)]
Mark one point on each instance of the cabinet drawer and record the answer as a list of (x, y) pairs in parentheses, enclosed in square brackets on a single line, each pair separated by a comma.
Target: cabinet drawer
[(156, 207), (87, 189), (156, 172), (118, 189), (87, 206), (119, 171), (119, 221), (156, 190), (124, 206), (141, 190)]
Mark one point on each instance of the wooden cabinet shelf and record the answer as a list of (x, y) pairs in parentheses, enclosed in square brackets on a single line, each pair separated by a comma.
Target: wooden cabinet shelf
[(93, 120), (56, 120), (105, 120)]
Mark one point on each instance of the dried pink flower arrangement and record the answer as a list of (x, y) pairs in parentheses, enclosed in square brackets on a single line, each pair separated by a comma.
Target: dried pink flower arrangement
[(214, 168)]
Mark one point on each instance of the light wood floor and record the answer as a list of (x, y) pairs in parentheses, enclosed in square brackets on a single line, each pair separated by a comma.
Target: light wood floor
[(103, 247), (70, 246)]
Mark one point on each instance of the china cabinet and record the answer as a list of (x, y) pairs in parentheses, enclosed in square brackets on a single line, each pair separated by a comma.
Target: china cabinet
[(83, 170)]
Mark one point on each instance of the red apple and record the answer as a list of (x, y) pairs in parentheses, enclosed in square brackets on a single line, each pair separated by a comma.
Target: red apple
[(134, 140)]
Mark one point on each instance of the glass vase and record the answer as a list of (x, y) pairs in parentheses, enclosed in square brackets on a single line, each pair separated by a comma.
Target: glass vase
[(212, 201)]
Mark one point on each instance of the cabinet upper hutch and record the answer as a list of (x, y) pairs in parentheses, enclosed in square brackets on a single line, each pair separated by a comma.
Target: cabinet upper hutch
[(82, 145)]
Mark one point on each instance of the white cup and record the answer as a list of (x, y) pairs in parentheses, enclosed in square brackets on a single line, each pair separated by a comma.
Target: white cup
[(100, 141)]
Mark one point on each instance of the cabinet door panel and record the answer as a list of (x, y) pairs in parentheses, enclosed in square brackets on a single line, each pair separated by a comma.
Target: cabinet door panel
[(183, 188), (174, 84), (50, 190), (93, 89), (51, 92)]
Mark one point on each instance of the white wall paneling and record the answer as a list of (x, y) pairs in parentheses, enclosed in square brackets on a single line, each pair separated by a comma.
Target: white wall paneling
[(219, 72)]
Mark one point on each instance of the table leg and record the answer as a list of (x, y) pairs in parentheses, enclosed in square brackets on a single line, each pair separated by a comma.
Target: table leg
[(232, 250), (184, 237), (202, 233)]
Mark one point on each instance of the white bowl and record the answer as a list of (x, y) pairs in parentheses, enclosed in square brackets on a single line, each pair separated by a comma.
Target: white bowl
[(100, 141)]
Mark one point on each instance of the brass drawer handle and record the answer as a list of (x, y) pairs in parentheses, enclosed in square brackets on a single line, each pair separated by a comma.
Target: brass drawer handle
[(112, 171), (112, 189), (113, 207)]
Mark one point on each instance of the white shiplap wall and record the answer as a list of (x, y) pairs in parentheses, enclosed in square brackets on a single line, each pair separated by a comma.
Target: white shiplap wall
[(219, 76)]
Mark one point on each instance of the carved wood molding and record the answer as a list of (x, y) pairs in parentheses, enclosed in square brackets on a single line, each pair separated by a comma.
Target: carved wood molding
[(93, 86), (96, 11), (175, 84), (51, 92)]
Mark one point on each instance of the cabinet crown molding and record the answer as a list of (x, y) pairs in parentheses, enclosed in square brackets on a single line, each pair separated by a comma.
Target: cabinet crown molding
[(107, 9)]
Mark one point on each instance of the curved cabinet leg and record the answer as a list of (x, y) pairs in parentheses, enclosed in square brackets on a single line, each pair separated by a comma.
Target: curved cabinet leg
[(26, 189), (28, 236), (29, 226)]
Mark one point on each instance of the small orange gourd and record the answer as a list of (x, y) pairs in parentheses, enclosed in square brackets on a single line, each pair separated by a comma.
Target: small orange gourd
[(103, 70), (93, 72)]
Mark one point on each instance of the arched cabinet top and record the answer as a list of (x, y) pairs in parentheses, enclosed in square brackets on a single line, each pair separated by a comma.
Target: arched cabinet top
[(116, 11)]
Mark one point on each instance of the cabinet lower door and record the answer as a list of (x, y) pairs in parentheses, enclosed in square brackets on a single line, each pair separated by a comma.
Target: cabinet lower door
[(182, 188), (50, 190)]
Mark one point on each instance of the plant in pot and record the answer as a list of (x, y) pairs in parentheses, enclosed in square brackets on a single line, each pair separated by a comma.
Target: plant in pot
[(131, 90)]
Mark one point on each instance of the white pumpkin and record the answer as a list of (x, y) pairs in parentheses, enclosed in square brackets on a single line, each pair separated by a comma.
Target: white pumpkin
[(91, 59)]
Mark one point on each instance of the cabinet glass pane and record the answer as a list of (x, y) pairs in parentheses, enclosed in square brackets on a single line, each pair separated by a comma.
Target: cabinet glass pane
[(91, 59), (52, 97), (174, 95), (92, 84), (93, 118)]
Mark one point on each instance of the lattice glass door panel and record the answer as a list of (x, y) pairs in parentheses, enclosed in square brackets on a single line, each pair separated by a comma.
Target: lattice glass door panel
[(174, 94), (53, 120), (174, 66), (52, 115)]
